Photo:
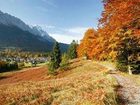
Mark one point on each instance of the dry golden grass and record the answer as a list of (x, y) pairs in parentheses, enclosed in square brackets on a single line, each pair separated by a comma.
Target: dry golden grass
[(86, 83)]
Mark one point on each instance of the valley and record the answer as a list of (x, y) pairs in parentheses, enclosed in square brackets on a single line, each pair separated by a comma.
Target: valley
[(69, 52)]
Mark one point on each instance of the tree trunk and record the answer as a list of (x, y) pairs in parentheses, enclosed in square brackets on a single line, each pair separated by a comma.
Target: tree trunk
[(129, 70)]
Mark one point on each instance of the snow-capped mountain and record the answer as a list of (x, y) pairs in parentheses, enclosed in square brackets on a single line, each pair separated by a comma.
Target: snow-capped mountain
[(39, 31), (14, 33), (10, 20)]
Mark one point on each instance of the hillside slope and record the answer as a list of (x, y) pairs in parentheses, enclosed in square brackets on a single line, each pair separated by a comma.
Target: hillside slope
[(86, 83), (12, 36)]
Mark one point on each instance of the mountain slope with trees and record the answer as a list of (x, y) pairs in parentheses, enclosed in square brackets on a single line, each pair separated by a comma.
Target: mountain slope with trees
[(12, 36), (14, 33)]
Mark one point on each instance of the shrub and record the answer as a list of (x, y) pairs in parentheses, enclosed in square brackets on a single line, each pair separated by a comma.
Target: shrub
[(21, 64), (5, 66), (64, 65), (51, 67), (121, 66)]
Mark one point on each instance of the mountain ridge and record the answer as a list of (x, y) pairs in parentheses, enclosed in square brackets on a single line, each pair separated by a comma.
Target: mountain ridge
[(17, 34), (9, 20)]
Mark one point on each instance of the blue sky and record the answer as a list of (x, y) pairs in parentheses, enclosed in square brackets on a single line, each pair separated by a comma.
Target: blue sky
[(65, 20)]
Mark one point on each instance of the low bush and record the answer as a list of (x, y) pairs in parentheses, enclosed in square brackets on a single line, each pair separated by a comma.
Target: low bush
[(64, 65), (51, 67), (21, 65), (5, 67)]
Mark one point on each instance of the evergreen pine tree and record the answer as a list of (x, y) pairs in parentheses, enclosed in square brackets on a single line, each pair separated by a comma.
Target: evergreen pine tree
[(55, 58), (72, 51), (56, 55)]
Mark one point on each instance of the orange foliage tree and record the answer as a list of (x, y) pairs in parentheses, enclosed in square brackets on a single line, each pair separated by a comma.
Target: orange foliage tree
[(85, 47), (117, 15)]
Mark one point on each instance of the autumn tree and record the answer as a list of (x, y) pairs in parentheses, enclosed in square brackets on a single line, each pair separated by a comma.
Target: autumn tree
[(85, 47), (118, 34), (117, 15), (128, 51), (114, 44)]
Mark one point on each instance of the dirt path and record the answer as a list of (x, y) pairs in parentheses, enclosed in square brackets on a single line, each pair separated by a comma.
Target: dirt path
[(128, 91)]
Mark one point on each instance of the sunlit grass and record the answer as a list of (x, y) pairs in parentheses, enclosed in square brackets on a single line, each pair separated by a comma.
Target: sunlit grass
[(86, 83)]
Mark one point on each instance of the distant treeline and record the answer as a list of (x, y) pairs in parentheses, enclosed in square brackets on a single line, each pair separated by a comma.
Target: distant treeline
[(5, 67)]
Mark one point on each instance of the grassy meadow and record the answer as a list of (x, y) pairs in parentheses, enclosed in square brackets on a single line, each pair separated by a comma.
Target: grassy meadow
[(84, 83)]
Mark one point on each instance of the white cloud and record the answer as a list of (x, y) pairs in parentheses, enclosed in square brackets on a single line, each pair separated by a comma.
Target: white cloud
[(65, 35), (77, 30), (49, 26), (64, 38)]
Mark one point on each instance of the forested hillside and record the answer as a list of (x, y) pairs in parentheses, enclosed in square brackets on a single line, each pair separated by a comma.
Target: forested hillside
[(12, 36)]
